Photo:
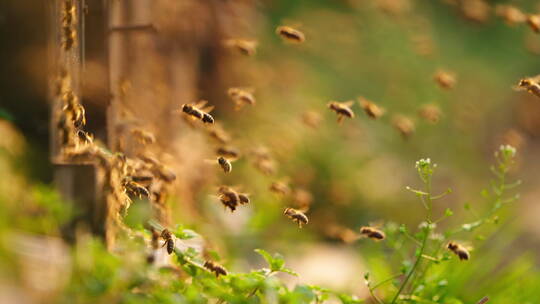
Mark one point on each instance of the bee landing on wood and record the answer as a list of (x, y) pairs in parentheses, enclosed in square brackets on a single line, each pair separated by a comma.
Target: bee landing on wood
[(296, 216), (215, 268), (342, 109), (530, 84), (372, 233), (199, 111), (370, 108), (290, 34), (459, 250), (169, 241)]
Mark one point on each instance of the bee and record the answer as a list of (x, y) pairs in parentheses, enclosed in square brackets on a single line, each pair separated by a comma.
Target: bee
[(476, 10), (199, 111), (169, 241), (290, 34), (79, 120), (511, 14), (135, 189), (534, 22), (229, 197), (296, 216), (228, 152), (372, 233), (311, 119), (69, 13), (280, 188), (459, 250), (404, 125), (483, 300), (531, 84), (243, 198), (241, 97), (342, 109), (372, 110), (215, 268), (431, 113), (346, 235), (445, 80), (143, 137), (243, 46), (85, 137), (225, 164)]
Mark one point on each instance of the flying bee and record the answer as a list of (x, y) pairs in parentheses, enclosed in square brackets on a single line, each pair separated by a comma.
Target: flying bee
[(302, 199), (243, 198), (199, 111), (241, 97), (444, 79), (530, 84), (143, 137), (296, 216), (243, 46), (431, 113), (225, 164), (311, 119), (475, 10), (372, 110), (169, 241), (511, 14), (342, 109), (229, 197), (404, 125), (290, 34), (280, 188), (372, 233), (215, 268), (534, 22), (228, 152), (459, 250)]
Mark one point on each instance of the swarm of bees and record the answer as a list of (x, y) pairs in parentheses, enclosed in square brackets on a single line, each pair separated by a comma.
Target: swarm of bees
[(290, 34), (215, 268), (530, 84), (371, 109), (459, 250), (243, 46), (241, 97), (296, 216), (342, 109), (199, 111), (372, 233)]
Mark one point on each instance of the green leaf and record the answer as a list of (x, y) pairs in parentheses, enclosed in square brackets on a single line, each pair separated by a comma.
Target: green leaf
[(448, 212), (275, 262)]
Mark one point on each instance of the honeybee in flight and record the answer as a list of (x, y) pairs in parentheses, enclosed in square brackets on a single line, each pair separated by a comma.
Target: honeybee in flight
[(225, 164), (530, 84), (342, 109), (444, 79), (534, 22), (290, 34), (169, 241), (372, 233), (372, 110), (228, 152), (431, 113), (280, 188), (311, 119), (215, 268), (199, 111), (296, 216), (511, 14), (135, 189), (459, 250), (404, 125), (244, 46), (228, 197), (241, 97)]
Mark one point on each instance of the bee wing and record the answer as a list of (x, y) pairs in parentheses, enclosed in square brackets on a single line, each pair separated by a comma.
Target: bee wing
[(201, 103), (348, 103), (208, 109), (535, 78), (377, 224)]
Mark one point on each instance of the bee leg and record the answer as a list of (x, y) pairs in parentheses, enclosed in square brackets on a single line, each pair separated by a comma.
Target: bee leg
[(340, 119)]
